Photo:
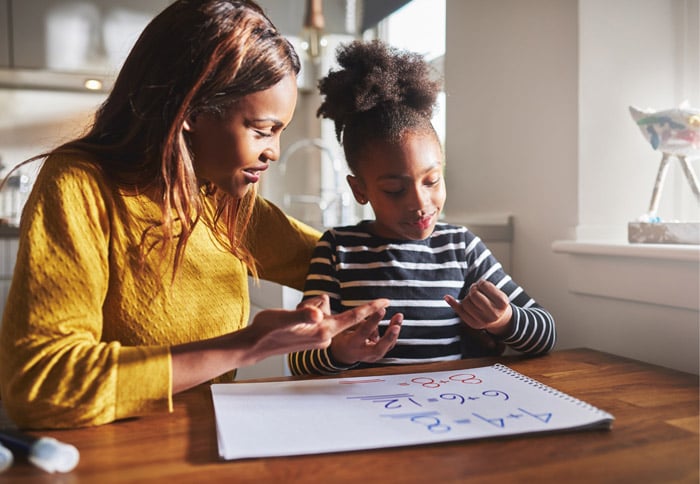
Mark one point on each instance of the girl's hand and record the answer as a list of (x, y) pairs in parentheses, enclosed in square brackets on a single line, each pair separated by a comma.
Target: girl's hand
[(362, 342), (484, 307)]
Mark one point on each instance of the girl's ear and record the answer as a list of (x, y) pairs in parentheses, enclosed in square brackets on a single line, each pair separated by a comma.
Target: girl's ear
[(358, 189)]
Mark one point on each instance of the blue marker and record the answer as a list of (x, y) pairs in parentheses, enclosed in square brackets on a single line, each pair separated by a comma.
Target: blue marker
[(46, 453)]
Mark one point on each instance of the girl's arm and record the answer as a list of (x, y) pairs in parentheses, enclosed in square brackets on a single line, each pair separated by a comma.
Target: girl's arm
[(491, 300)]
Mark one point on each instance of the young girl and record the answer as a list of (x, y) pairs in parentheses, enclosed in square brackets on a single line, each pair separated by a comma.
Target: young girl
[(447, 291), (136, 243)]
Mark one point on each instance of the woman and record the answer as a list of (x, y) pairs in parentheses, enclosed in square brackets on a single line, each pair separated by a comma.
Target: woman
[(137, 239)]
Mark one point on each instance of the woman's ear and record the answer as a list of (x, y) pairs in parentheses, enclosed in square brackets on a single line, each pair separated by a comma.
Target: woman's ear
[(189, 123), (358, 189)]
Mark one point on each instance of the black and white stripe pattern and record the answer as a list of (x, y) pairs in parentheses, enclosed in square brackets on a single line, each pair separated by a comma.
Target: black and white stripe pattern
[(353, 266)]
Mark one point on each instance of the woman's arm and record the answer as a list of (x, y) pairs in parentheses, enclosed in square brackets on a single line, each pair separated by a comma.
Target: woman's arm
[(272, 332), (282, 246), (54, 369)]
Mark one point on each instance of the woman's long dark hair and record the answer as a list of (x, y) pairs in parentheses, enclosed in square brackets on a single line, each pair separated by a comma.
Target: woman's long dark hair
[(196, 56)]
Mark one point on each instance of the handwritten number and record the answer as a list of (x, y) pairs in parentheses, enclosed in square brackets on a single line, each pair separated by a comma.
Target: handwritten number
[(467, 378), (433, 424), (425, 382), (495, 393), (496, 422), (396, 403), (392, 404), (544, 417), (453, 396)]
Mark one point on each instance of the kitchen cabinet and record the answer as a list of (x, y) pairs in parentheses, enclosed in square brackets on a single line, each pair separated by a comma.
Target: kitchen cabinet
[(8, 255), (54, 44), (84, 36), (4, 34), (57, 44)]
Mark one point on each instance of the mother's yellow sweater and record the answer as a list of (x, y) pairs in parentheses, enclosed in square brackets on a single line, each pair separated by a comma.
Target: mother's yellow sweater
[(85, 337)]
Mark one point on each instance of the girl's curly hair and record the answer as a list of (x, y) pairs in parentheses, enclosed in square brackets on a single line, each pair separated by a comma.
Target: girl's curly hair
[(378, 93)]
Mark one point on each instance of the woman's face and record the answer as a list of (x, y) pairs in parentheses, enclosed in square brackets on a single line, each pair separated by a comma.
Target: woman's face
[(404, 185), (233, 150)]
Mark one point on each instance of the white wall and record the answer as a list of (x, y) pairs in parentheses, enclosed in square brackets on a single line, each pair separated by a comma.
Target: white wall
[(511, 82), (536, 89)]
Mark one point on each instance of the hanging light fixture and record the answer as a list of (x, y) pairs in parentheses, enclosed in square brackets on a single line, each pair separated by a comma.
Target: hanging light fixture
[(312, 33)]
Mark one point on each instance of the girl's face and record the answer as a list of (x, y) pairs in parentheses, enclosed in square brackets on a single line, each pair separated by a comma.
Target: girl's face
[(403, 184), (233, 150)]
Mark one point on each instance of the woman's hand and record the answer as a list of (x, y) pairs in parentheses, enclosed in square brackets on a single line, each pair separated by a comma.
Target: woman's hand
[(311, 325), (484, 307), (272, 332), (322, 302)]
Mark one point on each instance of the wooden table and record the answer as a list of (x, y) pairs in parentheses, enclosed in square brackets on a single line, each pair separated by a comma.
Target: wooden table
[(654, 438)]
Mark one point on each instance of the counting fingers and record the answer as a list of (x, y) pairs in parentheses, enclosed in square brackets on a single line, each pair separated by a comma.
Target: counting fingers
[(364, 314)]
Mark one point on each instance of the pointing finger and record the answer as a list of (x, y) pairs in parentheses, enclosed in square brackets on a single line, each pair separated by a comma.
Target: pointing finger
[(368, 311), (493, 294)]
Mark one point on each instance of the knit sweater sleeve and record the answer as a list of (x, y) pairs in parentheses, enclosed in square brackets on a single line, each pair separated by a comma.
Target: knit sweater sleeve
[(54, 369), (282, 246)]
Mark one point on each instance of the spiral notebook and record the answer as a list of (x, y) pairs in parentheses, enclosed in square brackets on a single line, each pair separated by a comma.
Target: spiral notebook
[(343, 414)]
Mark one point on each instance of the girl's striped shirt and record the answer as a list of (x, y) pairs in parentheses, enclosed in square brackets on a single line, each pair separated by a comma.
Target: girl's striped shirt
[(353, 267)]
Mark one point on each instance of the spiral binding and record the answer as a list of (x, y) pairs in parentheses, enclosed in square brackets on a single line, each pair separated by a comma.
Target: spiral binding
[(552, 391)]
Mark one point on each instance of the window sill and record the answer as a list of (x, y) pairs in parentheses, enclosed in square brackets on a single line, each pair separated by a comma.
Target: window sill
[(661, 274), (623, 249)]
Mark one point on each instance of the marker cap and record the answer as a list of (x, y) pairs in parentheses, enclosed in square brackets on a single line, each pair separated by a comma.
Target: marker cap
[(6, 458), (51, 455)]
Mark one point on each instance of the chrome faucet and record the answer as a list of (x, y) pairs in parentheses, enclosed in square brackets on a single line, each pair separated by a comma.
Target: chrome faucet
[(334, 201)]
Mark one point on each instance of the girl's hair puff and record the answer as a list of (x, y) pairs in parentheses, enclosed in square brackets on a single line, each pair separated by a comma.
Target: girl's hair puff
[(378, 93)]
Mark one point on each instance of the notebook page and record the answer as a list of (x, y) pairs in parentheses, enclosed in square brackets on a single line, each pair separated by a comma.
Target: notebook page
[(342, 414)]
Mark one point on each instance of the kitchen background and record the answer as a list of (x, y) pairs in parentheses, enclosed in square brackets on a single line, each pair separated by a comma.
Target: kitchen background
[(543, 160)]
